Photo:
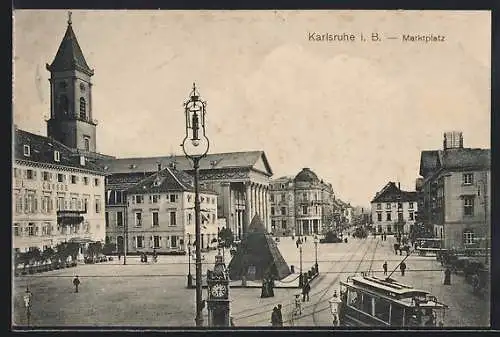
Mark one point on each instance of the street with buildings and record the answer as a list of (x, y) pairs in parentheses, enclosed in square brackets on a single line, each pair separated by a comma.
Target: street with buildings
[(139, 294), (79, 212)]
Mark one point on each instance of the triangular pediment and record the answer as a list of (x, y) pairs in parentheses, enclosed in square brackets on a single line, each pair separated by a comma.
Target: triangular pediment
[(262, 165)]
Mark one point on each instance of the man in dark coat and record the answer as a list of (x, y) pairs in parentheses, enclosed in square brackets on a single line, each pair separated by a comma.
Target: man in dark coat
[(76, 283), (275, 317), (402, 267), (385, 267), (280, 315), (305, 291)]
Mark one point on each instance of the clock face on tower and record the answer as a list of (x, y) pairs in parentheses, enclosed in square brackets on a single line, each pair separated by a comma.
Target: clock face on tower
[(218, 290)]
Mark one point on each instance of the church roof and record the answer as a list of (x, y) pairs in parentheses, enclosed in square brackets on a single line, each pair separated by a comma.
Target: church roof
[(306, 175), (247, 159), (166, 180), (41, 150), (69, 55)]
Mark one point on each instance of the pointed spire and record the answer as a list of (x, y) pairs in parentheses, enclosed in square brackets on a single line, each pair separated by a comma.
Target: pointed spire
[(69, 55)]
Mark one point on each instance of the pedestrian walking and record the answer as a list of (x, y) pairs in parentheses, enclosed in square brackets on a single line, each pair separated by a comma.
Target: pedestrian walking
[(385, 267), (119, 256), (297, 242), (76, 283), (274, 317), (447, 277), (280, 316), (305, 292), (402, 267), (27, 303), (396, 247)]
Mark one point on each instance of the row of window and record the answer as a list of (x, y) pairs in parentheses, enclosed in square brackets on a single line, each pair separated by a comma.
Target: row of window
[(31, 174), (399, 205), (388, 216), (305, 210), (155, 219), (46, 229), (156, 241), (29, 203), (156, 198), (283, 224)]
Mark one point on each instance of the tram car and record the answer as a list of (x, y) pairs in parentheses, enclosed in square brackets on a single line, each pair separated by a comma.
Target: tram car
[(360, 232), (375, 302)]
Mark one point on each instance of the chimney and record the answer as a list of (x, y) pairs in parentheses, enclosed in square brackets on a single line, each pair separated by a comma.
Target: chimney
[(453, 140), (159, 166), (172, 165), (399, 186)]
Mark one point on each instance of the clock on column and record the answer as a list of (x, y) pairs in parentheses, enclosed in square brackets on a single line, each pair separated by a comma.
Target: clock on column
[(219, 290)]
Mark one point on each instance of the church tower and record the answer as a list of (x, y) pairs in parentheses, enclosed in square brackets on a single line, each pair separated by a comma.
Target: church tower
[(71, 121)]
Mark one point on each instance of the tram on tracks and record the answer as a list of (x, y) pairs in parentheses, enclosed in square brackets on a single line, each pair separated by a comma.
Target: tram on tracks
[(383, 302)]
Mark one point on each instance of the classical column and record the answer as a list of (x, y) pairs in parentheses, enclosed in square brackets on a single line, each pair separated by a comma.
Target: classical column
[(264, 208), (248, 207), (254, 201), (259, 201), (226, 209)]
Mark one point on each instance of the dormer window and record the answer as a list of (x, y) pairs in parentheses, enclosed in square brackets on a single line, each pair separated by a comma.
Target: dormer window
[(26, 150), (57, 156), (82, 160)]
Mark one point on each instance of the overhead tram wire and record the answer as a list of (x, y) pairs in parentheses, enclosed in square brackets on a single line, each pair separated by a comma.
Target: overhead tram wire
[(322, 291), (270, 305)]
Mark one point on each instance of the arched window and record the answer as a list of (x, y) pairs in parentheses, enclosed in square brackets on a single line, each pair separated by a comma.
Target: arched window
[(83, 108), (63, 105)]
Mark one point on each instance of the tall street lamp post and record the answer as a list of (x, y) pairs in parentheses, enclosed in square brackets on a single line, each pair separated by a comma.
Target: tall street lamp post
[(316, 240), (195, 146), (189, 277), (301, 281)]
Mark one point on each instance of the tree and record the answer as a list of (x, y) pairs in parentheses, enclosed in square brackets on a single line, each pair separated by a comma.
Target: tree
[(48, 254), (108, 248), (94, 249), (226, 237)]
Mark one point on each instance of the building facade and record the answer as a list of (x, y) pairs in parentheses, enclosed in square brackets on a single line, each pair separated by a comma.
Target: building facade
[(456, 193), (240, 179), (302, 205), (58, 196), (161, 213), (394, 210)]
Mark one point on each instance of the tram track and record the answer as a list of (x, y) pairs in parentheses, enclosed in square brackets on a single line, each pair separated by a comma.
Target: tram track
[(335, 280), (269, 306)]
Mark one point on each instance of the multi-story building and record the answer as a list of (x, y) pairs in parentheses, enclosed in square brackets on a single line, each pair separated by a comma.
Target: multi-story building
[(456, 192), (241, 180), (394, 210), (161, 213), (300, 205), (283, 206), (58, 196)]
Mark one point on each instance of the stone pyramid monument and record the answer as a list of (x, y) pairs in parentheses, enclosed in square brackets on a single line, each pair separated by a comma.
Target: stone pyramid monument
[(257, 256)]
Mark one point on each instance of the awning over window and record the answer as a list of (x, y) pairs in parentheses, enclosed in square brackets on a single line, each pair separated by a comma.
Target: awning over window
[(70, 217)]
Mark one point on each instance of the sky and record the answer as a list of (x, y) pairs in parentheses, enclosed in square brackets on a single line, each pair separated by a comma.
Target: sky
[(357, 113)]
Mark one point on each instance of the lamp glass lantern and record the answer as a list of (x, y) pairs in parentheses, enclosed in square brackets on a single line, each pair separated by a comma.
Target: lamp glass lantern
[(195, 143)]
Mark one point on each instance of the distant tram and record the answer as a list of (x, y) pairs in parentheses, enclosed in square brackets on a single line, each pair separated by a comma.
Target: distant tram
[(371, 301)]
